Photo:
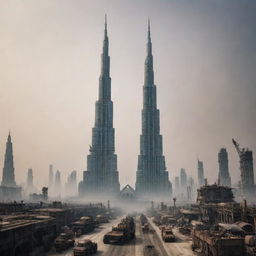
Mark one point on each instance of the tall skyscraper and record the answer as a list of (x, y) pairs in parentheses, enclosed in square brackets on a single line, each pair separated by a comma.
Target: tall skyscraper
[(152, 178), (8, 170), (101, 177), (200, 173), (224, 177)]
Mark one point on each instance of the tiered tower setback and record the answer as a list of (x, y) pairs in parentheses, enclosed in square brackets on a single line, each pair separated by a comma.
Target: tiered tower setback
[(8, 170), (152, 178), (101, 177)]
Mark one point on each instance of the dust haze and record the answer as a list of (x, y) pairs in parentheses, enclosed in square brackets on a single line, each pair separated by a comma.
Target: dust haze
[(204, 62)]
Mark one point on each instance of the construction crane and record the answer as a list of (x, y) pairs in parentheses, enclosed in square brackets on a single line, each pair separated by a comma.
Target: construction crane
[(238, 149)]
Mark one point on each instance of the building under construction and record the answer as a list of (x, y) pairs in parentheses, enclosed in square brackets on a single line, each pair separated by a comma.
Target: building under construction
[(247, 184)]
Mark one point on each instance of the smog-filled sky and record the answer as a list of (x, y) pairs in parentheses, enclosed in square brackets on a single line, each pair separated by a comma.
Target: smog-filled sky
[(204, 62)]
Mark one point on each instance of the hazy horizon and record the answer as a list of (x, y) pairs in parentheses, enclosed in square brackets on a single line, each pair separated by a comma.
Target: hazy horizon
[(204, 63)]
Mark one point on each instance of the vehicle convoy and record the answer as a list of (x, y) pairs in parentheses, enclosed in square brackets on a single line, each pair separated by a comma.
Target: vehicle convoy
[(123, 232), (85, 247), (167, 234), (64, 241), (83, 225)]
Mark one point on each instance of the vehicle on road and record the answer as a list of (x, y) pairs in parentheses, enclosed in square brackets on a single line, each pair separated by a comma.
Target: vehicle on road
[(101, 219), (85, 247), (167, 234), (83, 225), (123, 232), (64, 241)]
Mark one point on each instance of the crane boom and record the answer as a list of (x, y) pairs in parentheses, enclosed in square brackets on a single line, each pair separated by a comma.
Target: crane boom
[(239, 151)]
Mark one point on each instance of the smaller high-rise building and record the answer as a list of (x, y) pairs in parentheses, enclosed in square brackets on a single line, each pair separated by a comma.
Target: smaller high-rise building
[(224, 177), (177, 186), (8, 170), (9, 190), (191, 189), (71, 185), (200, 173), (51, 180), (30, 182), (183, 179), (57, 185)]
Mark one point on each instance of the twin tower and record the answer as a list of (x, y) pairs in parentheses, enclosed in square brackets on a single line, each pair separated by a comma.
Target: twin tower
[(101, 177)]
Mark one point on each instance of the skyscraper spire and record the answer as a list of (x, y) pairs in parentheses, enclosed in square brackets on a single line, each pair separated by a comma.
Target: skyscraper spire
[(149, 36), (106, 25), (8, 170), (149, 72), (152, 177), (101, 177)]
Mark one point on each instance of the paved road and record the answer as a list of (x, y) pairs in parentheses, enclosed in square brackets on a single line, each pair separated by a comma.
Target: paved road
[(135, 247), (95, 236), (182, 246)]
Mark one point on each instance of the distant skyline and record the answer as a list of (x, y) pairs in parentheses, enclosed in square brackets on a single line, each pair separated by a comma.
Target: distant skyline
[(204, 62)]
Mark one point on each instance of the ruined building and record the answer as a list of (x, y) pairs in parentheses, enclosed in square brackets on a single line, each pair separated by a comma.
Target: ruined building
[(8, 189), (224, 177), (214, 194), (247, 174), (152, 179), (101, 177), (200, 172)]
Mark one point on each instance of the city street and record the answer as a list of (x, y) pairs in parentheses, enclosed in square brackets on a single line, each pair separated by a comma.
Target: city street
[(135, 247)]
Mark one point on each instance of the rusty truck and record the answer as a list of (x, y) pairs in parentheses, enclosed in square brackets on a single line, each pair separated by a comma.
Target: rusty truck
[(64, 241), (123, 232), (167, 234), (83, 225), (85, 247)]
